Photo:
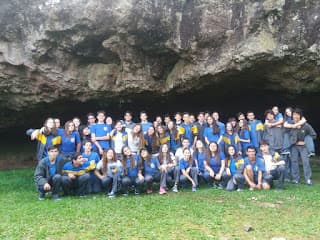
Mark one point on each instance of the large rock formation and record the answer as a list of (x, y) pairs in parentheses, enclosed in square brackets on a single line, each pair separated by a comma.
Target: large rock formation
[(56, 50)]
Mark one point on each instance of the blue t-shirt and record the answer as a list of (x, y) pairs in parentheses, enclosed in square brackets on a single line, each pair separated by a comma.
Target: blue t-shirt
[(208, 133), (233, 167), (52, 167), (278, 116), (222, 127), (145, 126), (188, 131), (69, 142), (245, 134), (174, 143), (132, 172), (101, 130), (183, 165), (255, 126), (200, 158), (257, 166), (216, 165), (93, 156), (84, 168), (152, 167)]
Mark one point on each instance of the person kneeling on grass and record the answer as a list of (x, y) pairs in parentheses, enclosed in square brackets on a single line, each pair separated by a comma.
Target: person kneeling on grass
[(275, 166), (47, 175), (109, 170), (254, 170), (234, 168), (76, 175), (188, 170)]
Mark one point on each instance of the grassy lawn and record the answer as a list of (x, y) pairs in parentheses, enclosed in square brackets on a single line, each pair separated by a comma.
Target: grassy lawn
[(207, 214)]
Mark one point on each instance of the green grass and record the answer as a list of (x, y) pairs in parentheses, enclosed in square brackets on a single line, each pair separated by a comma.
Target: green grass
[(206, 214)]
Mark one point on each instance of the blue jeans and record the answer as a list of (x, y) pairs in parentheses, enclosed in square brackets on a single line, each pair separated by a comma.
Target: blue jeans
[(80, 184), (55, 183)]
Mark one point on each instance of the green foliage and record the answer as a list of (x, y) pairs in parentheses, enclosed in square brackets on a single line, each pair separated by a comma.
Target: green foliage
[(205, 214)]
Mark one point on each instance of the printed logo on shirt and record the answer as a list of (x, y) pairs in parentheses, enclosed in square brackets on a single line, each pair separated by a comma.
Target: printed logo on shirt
[(105, 128), (85, 159), (72, 140), (152, 165), (256, 168)]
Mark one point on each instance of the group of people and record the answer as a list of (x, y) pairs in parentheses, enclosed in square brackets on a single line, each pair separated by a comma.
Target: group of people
[(123, 156)]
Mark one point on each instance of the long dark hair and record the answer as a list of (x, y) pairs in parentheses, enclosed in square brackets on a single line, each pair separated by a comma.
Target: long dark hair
[(235, 156), (163, 155), (215, 126), (124, 160), (191, 160), (196, 150), (155, 143), (141, 159), (216, 153), (105, 160), (244, 127), (66, 127), (139, 135), (173, 131)]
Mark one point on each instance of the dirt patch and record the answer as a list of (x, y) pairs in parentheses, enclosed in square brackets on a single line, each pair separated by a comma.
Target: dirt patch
[(17, 163)]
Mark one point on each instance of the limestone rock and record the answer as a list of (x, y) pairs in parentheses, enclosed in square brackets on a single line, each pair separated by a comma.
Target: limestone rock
[(51, 50)]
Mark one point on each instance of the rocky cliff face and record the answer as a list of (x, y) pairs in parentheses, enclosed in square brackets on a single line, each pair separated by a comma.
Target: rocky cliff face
[(56, 50)]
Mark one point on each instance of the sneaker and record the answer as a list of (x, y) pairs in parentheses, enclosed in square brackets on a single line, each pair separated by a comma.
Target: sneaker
[(220, 186), (239, 190), (175, 188), (82, 196), (56, 197), (295, 182), (149, 191), (125, 194), (251, 189), (194, 189), (41, 196), (312, 154), (111, 194), (162, 191), (309, 182), (136, 192)]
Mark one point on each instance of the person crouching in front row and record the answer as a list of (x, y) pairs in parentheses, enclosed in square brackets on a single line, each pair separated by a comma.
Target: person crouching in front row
[(76, 175), (47, 175)]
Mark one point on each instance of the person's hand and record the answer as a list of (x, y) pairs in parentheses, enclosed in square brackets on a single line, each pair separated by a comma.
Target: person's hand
[(141, 178), (193, 183), (71, 176), (211, 173), (46, 187), (100, 151), (228, 171), (218, 176), (259, 186)]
